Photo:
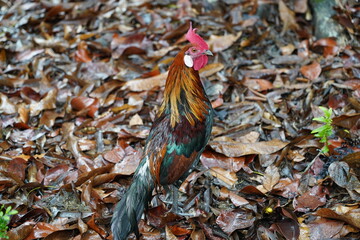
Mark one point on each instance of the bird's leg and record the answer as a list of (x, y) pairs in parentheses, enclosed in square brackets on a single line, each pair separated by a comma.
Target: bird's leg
[(175, 200), (175, 204), (168, 198)]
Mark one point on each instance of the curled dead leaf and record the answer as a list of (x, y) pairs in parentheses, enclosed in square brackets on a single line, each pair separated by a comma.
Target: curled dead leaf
[(226, 176), (6, 106), (234, 149), (47, 103)]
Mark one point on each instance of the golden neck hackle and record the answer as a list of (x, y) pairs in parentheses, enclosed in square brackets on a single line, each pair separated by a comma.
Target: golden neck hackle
[(184, 82)]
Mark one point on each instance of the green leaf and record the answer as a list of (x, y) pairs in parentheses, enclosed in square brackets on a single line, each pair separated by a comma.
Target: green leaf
[(8, 209), (13, 212), (325, 149), (325, 131), (320, 119)]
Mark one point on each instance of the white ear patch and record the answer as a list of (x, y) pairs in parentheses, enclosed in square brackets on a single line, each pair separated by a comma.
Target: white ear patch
[(188, 61)]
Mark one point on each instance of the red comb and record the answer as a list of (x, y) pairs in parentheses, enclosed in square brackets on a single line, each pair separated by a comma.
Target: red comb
[(195, 39)]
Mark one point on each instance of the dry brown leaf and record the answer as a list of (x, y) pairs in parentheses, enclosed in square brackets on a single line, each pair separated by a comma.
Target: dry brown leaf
[(47, 103), (28, 54), (211, 159), (145, 84), (235, 198), (115, 155), (271, 177), (286, 187), (226, 176), (49, 116), (287, 16), (169, 234), (23, 113), (303, 49), (234, 149), (197, 235), (258, 84), (211, 69), (136, 120), (287, 49), (301, 6), (220, 43), (6, 106), (129, 163)]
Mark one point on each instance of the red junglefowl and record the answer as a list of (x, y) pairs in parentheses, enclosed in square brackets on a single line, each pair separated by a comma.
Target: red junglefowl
[(177, 138)]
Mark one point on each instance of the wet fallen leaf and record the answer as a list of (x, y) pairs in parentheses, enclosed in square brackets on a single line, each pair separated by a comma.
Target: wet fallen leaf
[(312, 199), (287, 187), (288, 227), (160, 217), (197, 235), (42, 230), (340, 174), (351, 216), (311, 71), (229, 221), (324, 228)]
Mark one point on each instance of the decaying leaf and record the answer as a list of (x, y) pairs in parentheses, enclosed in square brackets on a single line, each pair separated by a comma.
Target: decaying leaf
[(224, 175), (229, 221), (312, 199), (351, 216), (288, 17), (311, 71), (233, 149), (220, 43)]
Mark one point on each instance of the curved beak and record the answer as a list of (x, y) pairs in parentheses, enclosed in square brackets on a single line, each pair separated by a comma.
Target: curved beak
[(209, 53)]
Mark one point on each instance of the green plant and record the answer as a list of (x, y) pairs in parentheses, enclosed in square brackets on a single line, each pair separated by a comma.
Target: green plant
[(5, 219), (326, 130)]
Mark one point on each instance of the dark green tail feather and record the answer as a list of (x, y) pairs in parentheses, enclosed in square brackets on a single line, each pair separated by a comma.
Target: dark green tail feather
[(132, 205)]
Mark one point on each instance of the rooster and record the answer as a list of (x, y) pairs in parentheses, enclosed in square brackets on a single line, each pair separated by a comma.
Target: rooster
[(177, 138)]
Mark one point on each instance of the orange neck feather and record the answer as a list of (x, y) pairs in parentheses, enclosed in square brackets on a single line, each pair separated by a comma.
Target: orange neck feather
[(184, 90)]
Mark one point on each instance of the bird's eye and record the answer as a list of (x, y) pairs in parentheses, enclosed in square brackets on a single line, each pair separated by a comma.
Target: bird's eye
[(193, 50)]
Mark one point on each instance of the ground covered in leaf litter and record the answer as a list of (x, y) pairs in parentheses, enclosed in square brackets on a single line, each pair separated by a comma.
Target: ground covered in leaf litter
[(81, 83)]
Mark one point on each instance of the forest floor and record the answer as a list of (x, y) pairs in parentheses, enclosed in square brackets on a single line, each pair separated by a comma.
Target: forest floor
[(80, 85)]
